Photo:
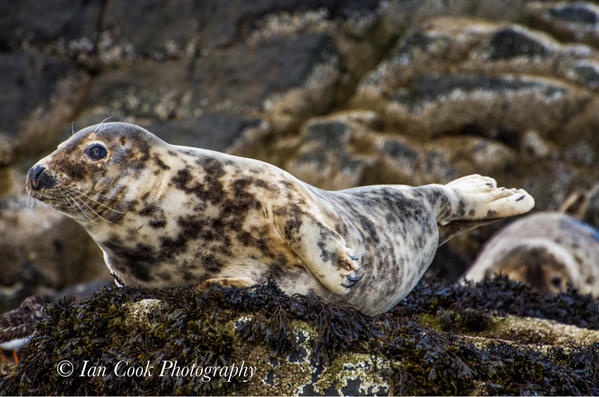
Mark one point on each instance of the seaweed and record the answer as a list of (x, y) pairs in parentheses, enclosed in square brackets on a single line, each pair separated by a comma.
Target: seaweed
[(501, 296), (421, 341)]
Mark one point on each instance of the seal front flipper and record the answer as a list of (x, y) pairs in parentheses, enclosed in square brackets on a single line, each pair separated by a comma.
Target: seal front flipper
[(322, 250), (227, 282)]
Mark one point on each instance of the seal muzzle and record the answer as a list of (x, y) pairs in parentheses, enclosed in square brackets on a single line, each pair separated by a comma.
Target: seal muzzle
[(38, 178)]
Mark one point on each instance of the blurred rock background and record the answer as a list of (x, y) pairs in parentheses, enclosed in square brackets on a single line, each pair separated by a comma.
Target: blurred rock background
[(339, 93)]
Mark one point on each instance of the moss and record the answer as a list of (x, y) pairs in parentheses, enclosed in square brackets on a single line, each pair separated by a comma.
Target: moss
[(301, 344)]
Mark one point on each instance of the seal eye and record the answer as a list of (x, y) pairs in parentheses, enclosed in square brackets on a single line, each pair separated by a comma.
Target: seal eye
[(556, 281), (96, 151)]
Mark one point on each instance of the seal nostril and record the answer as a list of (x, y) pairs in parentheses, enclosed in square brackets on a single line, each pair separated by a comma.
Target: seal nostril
[(33, 176), (46, 180), (38, 178)]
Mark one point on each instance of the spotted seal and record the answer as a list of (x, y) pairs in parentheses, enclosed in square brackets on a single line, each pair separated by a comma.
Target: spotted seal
[(547, 250), (167, 215)]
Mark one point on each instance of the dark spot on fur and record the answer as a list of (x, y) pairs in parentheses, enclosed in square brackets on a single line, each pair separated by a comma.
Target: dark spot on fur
[(181, 180), (235, 208), (150, 210), (325, 255), (159, 162), (138, 160), (211, 190), (245, 238), (293, 223), (130, 205), (158, 224), (212, 167), (461, 209), (211, 264), (261, 183), (369, 228), (278, 268), (138, 260)]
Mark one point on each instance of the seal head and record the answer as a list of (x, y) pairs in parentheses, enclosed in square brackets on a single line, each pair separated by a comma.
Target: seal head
[(90, 175)]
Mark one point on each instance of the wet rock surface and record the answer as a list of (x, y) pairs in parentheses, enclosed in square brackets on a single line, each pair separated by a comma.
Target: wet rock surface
[(440, 340)]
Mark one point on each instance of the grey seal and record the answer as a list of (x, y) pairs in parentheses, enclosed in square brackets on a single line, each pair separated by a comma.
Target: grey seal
[(167, 215), (547, 250)]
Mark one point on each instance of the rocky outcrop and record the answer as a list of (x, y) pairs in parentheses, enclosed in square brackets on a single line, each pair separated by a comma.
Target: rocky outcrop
[(460, 340)]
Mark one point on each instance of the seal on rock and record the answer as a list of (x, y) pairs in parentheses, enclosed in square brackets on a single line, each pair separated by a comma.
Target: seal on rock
[(547, 250), (167, 215)]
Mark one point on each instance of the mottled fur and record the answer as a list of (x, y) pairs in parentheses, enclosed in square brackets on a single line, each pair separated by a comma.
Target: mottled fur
[(547, 250), (166, 215)]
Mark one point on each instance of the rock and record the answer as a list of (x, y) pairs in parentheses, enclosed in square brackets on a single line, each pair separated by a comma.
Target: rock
[(568, 21), (133, 25), (347, 149), (327, 152), (146, 91), (42, 94), (214, 131), (458, 340), (140, 312), (37, 259), (247, 75), (27, 82), (420, 96), (187, 24), (44, 22), (535, 331)]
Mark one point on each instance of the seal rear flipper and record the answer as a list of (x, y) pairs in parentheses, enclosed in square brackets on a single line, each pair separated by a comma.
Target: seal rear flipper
[(480, 199), (472, 201)]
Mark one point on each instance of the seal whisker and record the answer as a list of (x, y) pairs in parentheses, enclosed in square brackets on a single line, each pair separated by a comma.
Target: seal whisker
[(101, 122), (74, 199), (73, 205), (70, 205), (96, 201), (90, 208)]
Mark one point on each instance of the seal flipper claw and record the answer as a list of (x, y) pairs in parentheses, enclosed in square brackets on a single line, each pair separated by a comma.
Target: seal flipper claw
[(353, 280)]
